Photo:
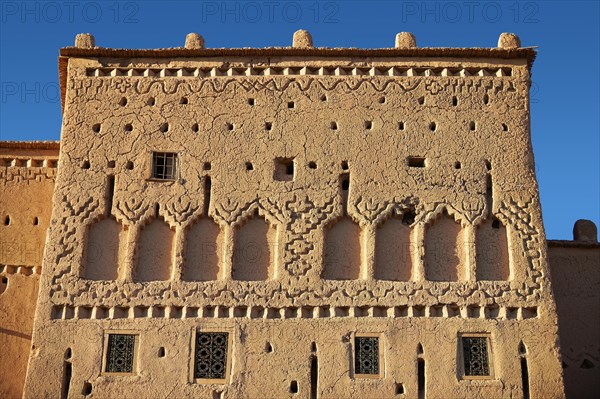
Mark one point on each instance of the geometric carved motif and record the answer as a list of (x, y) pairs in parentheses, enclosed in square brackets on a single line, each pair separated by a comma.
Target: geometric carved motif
[(120, 353), (211, 355), (366, 355), (475, 355), (299, 251), (305, 217)]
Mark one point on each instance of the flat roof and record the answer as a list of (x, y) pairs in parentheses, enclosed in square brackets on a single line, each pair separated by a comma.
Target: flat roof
[(528, 53), (31, 145)]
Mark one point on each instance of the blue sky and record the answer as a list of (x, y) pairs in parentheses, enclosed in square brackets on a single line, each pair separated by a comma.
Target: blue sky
[(565, 91)]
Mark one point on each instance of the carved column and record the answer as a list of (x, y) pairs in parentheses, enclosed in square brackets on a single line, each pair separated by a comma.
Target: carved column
[(418, 253), (228, 248), (178, 254), (368, 251), (469, 247), (133, 235)]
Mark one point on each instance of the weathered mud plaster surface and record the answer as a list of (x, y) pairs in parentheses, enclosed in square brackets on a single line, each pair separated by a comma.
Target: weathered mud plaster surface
[(575, 269), (27, 173), (292, 164)]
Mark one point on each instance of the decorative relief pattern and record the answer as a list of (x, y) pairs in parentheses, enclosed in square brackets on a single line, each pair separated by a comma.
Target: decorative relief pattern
[(87, 87), (296, 71), (211, 355), (78, 213), (21, 174), (519, 215), (120, 353), (304, 218), (366, 355), (300, 216), (475, 355), (299, 248)]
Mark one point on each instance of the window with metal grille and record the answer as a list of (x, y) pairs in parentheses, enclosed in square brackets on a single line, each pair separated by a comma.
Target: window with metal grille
[(120, 353), (475, 356), (164, 165), (366, 355), (211, 355)]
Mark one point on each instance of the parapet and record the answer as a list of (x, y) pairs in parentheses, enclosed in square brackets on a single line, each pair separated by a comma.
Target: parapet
[(585, 235), (509, 48)]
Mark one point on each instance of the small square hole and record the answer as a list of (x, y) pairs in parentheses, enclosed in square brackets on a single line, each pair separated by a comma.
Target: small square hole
[(207, 166), (268, 125), (291, 104), (249, 166), (284, 169), (251, 102), (368, 125)]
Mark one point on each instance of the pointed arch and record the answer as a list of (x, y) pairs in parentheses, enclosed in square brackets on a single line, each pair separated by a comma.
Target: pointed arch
[(203, 249), (421, 381), (491, 249), (255, 250), (104, 250), (445, 252), (524, 370), (155, 257), (393, 251), (342, 257)]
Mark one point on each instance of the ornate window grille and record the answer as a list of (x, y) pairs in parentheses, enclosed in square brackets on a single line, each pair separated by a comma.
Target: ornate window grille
[(164, 165), (475, 356), (211, 355), (366, 355), (120, 353)]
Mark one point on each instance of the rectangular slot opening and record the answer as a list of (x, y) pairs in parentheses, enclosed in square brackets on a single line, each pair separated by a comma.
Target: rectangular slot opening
[(416, 162)]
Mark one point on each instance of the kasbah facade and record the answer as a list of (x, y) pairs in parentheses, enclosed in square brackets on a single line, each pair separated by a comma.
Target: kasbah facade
[(294, 222)]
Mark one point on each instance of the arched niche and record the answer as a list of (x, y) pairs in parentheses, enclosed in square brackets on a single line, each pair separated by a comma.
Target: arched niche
[(254, 250), (203, 246), (491, 248), (445, 252), (104, 250), (342, 257), (393, 251), (155, 252)]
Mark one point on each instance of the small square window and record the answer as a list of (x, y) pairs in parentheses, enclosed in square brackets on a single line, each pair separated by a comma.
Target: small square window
[(164, 165), (475, 353), (120, 353), (211, 358), (367, 362)]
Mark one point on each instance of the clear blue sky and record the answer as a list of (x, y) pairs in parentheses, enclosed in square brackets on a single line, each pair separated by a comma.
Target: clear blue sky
[(565, 95)]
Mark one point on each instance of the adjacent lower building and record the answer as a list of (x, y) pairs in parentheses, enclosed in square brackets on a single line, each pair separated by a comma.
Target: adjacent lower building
[(292, 222)]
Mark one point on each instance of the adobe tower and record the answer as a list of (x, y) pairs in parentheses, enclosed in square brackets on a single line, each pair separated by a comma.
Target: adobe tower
[(296, 222)]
